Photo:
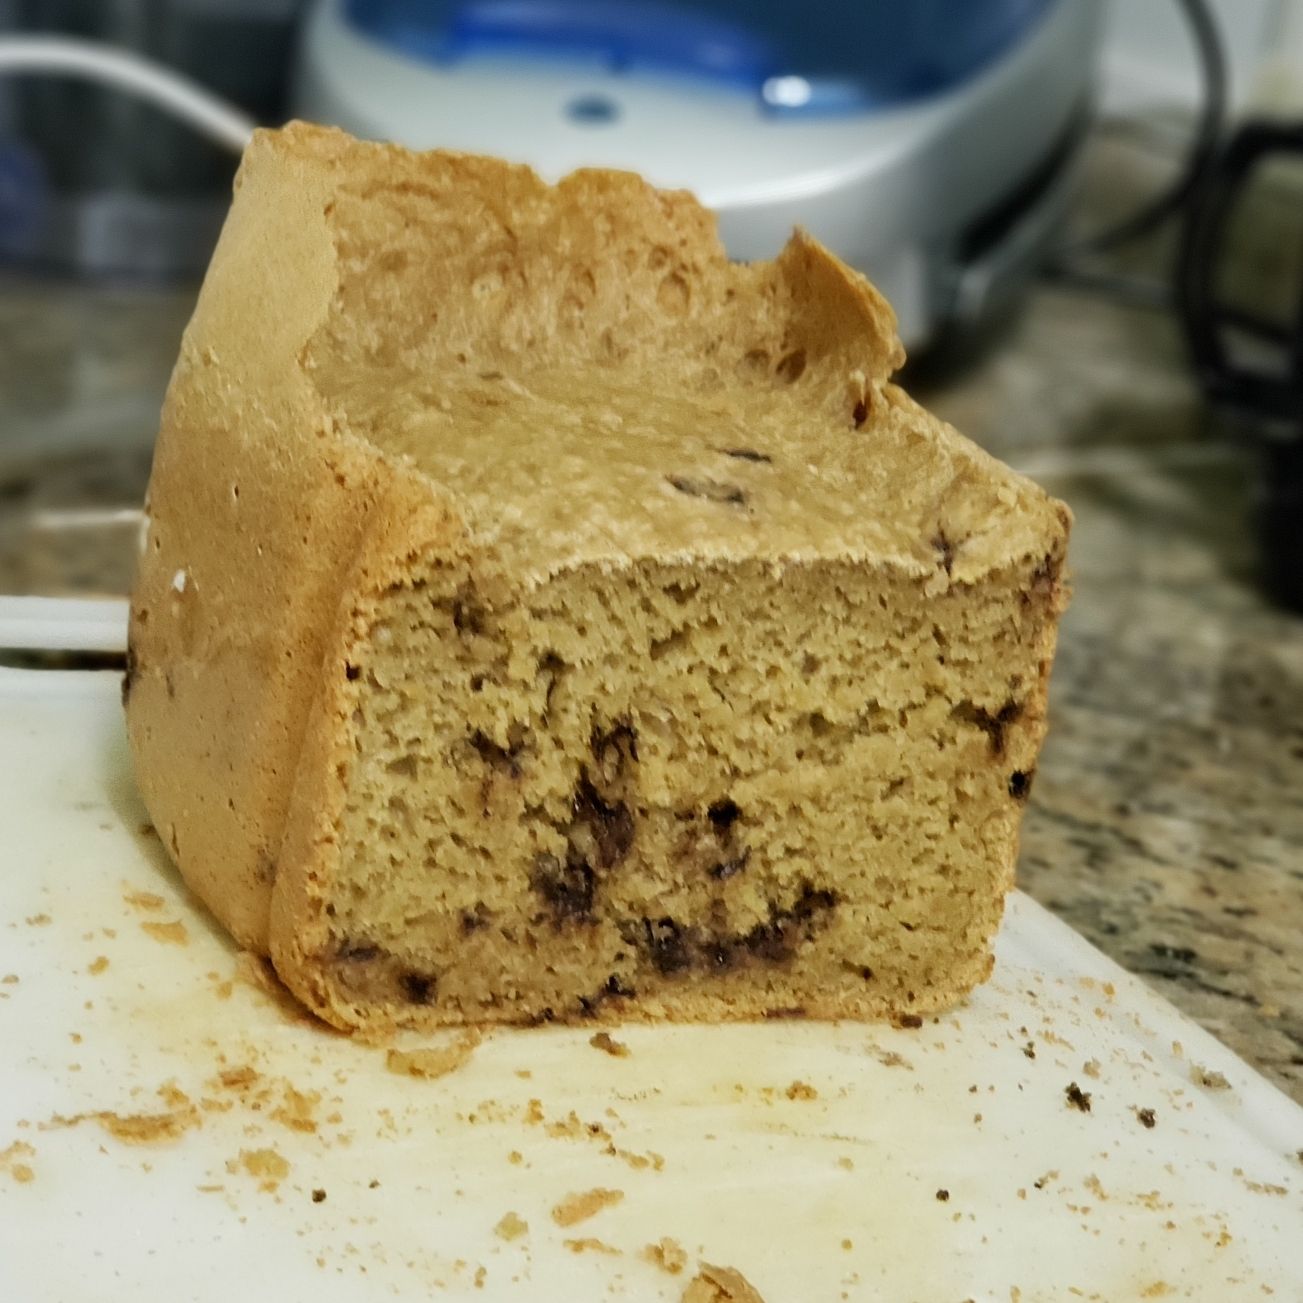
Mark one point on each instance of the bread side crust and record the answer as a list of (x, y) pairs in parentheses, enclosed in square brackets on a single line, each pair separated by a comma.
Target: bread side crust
[(411, 523), (234, 593)]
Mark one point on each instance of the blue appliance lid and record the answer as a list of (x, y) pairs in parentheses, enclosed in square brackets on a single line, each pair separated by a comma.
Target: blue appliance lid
[(812, 58)]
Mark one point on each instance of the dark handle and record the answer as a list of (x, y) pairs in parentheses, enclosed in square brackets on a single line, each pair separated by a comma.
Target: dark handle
[(1204, 317)]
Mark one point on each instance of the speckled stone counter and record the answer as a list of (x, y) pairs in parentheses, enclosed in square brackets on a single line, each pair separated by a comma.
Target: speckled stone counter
[(1167, 818)]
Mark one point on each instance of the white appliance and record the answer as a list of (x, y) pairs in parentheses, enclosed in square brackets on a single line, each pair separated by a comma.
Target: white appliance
[(931, 144)]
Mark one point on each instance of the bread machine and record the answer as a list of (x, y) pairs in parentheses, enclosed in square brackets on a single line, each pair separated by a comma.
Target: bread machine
[(931, 144)]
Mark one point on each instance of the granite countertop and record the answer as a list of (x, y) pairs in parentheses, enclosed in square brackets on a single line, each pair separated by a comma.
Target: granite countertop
[(1167, 818)]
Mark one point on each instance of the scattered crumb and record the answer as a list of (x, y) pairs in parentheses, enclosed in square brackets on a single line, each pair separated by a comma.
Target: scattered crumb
[(296, 1109), (1077, 1098), (237, 1078), (511, 1227), (943, 1196), (668, 1254), (583, 1205), (173, 933), (1208, 1079), (146, 900), (13, 1159), (605, 1042), (720, 1285), (39, 920), (1091, 1069), (266, 1165), (9, 979), (907, 1021), (149, 1128), (591, 1246), (171, 1094), (481, 1275), (97, 965), (846, 1163), (890, 1059), (1146, 1118), (318, 1196), (1041, 1182), (515, 1157), (1159, 1289), (847, 1245), (434, 1061), (801, 1090)]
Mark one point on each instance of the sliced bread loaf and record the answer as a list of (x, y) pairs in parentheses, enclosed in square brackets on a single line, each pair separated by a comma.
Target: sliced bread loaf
[(542, 617)]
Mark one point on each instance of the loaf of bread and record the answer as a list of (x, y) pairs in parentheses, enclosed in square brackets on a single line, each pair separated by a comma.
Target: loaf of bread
[(541, 617)]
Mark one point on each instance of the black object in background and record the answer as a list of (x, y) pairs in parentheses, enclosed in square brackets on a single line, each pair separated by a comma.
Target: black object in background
[(1249, 357)]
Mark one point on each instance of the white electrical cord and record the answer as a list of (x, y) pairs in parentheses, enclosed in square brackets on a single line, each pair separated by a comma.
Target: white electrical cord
[(73, 624), (92, 625), (199, 108)]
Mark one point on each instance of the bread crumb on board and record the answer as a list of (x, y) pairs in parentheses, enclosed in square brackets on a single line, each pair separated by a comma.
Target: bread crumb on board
[(668, 1254), (801, 1090), (890, 1059), (297, 1109), (172, 934), (1207, 1078), (149, 1128), (97, 965), (511, 1227), (144, 900), (720, 1285), (268, 1166), (1076, 1097), (581, 1206), (433, 1061), (13, 1159), (590, 1245), (607, 1043)]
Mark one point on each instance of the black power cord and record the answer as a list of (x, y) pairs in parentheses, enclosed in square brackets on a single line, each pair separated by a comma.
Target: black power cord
[(1214, 78)]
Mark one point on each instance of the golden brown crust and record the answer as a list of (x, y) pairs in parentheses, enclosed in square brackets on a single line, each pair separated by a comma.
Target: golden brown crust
[(222, 672), (407, 522)]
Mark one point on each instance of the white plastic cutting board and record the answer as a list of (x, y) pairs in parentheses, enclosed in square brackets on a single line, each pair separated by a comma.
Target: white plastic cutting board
[(808, 1157)]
